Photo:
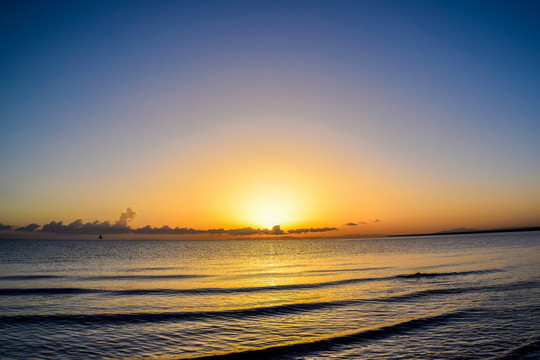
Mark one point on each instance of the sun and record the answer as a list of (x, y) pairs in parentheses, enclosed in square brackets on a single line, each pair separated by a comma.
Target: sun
[(265, 205), (270, 213)]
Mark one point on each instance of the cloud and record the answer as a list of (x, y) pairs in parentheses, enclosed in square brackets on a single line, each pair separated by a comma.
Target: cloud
[(6, 227), (300, 231), (126, 217), (244, 231), (96, 227), (354, 224), (78, 227), (29, 227), (121, 227), (276, 230), (166, 230)]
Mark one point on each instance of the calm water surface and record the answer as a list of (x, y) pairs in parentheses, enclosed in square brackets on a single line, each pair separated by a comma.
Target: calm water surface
[(444, 297)]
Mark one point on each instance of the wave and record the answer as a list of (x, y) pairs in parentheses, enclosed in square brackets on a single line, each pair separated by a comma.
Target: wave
[(154, 268), (195, 291), (29, 277), (519, 285), (302, 349), (47, 291), (529, 350), (301, 273), (347, 270), (454, 273), (143, 277), (277, 310), (268, 311), (102, 277)]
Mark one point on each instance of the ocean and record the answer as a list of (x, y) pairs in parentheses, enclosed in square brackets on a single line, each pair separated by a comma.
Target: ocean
[(427, 297)]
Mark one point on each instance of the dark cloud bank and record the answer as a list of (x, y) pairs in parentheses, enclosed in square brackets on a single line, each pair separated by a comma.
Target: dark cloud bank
[(5, 227), (358, 223), (121, 226)]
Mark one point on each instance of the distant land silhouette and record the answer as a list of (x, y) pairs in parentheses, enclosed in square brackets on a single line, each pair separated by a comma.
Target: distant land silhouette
[(458, 231)]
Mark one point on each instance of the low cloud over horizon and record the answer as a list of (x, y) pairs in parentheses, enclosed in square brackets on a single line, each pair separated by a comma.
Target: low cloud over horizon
[(355, 224), (121, 226)]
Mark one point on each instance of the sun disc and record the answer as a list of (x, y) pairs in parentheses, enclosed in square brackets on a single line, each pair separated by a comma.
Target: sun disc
[(268, 215)]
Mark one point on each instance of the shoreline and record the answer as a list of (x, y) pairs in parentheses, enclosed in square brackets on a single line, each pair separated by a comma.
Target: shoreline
[(521, 229)]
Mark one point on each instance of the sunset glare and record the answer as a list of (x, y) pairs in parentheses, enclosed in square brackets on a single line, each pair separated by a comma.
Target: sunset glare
[(268, 214)]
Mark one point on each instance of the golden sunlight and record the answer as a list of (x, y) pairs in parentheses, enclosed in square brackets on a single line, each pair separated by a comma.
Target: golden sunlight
[(268, 214), (266, 208)]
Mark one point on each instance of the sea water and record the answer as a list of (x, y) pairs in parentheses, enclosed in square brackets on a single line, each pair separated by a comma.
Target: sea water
[(430, 297)]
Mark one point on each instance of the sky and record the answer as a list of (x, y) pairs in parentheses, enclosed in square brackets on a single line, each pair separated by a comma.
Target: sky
[(394, 116)]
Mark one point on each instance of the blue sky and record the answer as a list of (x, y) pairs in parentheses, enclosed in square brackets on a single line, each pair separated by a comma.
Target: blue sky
[(95, 96)]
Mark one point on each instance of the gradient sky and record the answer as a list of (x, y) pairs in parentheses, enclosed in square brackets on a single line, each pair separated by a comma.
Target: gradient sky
[(423, 114)]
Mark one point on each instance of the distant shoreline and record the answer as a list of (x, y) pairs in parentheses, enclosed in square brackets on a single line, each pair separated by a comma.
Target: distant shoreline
[(523, 229)]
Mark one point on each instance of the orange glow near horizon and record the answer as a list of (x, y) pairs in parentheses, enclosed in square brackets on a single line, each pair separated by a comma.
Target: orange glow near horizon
[(289, 179), (250, 184)]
